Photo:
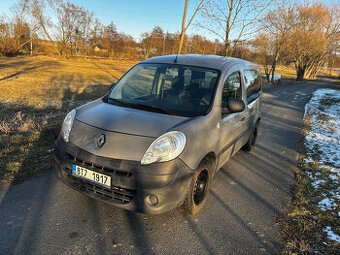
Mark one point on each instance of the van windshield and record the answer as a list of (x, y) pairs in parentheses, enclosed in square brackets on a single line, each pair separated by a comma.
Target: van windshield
[(166, 88)]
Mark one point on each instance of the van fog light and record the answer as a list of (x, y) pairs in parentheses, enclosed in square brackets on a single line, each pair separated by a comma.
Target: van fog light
[(151, 200)]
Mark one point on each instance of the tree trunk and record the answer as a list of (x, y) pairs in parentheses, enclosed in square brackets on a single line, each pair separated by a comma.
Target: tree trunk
[(274, 65), (300, 74), (227, 48), (273, 70), (227, 43), (331, 67), (267, 72)]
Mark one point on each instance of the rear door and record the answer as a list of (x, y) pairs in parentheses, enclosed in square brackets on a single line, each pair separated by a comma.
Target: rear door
[(233, 125)]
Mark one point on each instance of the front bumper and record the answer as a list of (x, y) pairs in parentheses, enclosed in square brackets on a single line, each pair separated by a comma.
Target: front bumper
[(132, 183)]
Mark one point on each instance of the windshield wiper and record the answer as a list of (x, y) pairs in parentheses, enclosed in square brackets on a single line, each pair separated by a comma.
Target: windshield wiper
[(140, 106), (154, 108), (119, 102)]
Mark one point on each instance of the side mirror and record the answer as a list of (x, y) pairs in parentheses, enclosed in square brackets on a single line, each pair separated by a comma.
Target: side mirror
[(233, 105), (236, 105)]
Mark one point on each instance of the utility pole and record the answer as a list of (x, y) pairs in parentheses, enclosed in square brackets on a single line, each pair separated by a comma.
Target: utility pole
[(183, 27), (31, 29), (163, 43)]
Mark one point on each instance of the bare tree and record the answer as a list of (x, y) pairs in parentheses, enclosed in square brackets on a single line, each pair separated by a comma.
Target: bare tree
[(20, 29), (68, 27), (5, 37), (315, 29), (153, 43), (335, 47), (263, 49), (186, 26), (233, 20), (277, 24), (109, 37)]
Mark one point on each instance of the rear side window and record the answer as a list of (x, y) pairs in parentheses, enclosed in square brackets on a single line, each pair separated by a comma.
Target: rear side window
[(253, 85)]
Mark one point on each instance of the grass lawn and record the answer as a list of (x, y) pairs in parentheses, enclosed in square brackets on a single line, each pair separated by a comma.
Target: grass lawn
[(311, 223), (284, 71), (35, 95)]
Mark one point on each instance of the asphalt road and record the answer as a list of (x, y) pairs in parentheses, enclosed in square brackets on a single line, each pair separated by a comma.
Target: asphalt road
[(43, 216)]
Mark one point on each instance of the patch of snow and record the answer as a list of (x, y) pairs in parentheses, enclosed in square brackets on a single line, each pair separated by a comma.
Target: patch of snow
[(324, 131), (323, 144), (327, 203), (331, 235), (8, 101), (316, 184)]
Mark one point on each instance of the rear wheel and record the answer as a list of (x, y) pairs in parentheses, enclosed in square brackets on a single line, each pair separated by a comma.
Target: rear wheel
[(198, 189), (252, 138)]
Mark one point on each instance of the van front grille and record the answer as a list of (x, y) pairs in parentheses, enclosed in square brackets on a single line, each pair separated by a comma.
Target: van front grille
[(118, 194), (115, 194), (85, 163)]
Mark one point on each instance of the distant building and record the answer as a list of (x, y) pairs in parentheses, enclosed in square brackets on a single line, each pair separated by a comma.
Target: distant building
[(100, 48)]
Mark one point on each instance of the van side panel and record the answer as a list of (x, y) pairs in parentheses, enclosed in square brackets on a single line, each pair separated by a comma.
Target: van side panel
[(202, 137)]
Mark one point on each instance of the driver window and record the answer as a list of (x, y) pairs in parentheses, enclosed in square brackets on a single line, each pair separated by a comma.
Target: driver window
[(232, 87)]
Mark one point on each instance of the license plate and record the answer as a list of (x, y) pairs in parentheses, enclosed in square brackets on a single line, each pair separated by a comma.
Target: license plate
[(92, 176)]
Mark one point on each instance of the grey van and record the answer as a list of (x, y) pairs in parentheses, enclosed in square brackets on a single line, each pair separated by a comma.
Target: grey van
[(155, 141)]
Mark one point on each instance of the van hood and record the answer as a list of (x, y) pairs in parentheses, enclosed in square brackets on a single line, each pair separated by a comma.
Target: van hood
[(127, 120)]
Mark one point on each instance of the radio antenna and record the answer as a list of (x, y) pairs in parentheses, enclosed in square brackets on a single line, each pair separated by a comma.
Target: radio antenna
[(175, 61)]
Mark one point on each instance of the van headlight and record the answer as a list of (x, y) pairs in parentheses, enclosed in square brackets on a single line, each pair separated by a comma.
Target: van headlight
[(165, 148), (67, 125)]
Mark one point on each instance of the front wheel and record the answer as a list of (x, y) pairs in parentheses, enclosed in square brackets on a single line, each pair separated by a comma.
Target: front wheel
[(198, 189), (252, 138)]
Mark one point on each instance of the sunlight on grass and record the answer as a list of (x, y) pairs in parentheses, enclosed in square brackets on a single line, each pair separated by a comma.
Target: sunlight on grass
[(35, 95), (284, 71), (38, 80)]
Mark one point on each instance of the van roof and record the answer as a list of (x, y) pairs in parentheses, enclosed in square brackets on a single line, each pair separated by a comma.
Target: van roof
[(208, 61)]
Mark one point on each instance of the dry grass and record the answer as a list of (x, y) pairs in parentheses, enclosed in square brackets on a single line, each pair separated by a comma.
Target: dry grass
[(41, 80), (286, 72), (35, 95)]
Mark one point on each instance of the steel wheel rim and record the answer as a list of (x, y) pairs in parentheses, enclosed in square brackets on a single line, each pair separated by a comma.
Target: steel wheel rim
[(200, 187)]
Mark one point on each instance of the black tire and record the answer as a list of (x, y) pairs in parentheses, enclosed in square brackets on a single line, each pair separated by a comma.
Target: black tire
[(198, 189), (252, 138)]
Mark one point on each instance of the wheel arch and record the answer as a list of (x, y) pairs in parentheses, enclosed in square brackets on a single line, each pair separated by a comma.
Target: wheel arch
[(211, 157)]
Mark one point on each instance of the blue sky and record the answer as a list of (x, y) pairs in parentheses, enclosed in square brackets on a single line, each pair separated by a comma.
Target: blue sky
[(133, 16)]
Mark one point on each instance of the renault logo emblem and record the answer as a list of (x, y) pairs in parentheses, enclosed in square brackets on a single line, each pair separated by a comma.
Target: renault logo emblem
[(101, 140)]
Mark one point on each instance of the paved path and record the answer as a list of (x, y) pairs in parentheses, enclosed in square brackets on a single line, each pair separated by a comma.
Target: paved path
[(43, 216)]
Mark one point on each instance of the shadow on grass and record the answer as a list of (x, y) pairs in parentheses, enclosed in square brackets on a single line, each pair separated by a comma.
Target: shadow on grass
[(29, 66), (28, 153), (26, 146)]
